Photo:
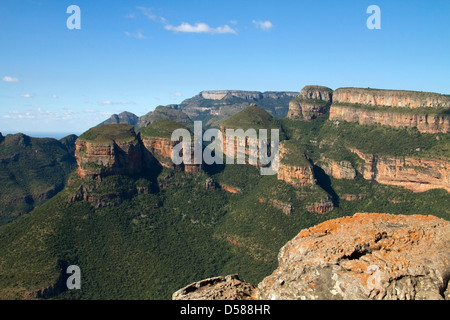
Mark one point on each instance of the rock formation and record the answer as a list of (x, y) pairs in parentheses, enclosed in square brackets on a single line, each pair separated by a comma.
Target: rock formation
[(294, 167), (411, 173), (366, 256), (391, 98), (217, 288), (426, 111), (338, 169), (313, 101), (425, 123), (321, 207), (102, 153)]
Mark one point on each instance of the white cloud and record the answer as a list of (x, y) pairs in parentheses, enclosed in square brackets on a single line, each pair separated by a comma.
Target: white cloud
[(148, 12), (130, 16), (54, 96), (112, 103), (138, 34), (26, 95), (263, 25), (10, 79), (200, 27)]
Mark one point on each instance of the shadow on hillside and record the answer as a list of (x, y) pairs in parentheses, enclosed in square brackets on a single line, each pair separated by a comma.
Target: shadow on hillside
[(323, 180)]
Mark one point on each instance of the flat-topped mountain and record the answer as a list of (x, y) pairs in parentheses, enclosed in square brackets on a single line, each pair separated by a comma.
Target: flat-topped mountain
[(428, 112), (212, 107)]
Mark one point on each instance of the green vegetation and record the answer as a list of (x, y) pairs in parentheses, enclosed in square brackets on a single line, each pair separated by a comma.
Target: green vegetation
[(161, 129), (252, 117), (111, 132), (294, 154), (145, 237), (32, 170), (423, 111), (165, 113)]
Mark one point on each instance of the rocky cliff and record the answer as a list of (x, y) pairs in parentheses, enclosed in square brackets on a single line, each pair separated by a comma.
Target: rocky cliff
[(366, 256), (294, 167), (109, 150), (424, 122), (426, 111), (391, 98), (414, 174), (117, 150), (313, 101)]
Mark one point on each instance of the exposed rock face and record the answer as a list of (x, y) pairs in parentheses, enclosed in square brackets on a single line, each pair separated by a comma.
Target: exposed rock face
[(108, 158), (338, 169), (312, 102), (415, 174), (321, 207), (218, 288), (360, 105), (426, 123), (317, 93), (246, 95), (231, 189), (161, 148), (367, 256), (127, 155), (296, 175), (391, 98)]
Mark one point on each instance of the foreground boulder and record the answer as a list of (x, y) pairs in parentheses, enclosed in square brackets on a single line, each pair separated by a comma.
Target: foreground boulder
[(217, 288), (366, 256)]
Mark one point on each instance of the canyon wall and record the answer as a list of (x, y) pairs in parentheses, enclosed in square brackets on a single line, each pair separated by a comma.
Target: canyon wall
[(391, 98), (96, 159), (298, 173), (411, 173), (425, 123), (426, 111)]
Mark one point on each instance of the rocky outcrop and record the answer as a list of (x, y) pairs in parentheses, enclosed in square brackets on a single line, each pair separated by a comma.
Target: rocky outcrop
[(246, 95), (426, 111), (217, 288), (298, 173), (116, 150), (425, 123), (366, 256), (338, 169), (161, 149), (415, 174), (115, 157), (313, 101), (391, 98), (321, 207)]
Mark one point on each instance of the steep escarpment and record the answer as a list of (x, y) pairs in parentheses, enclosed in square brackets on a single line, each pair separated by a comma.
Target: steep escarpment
[(366, 256), (313, 101), (294, 167), (391, 98), (109, 150), (156, 138), (252, 119), (415, 174), (426, 111)]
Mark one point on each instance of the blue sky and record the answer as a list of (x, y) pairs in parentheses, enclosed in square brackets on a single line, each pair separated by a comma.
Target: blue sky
[(136, 55)]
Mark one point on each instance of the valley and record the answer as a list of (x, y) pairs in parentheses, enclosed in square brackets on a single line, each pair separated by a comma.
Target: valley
[(140, 227)]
